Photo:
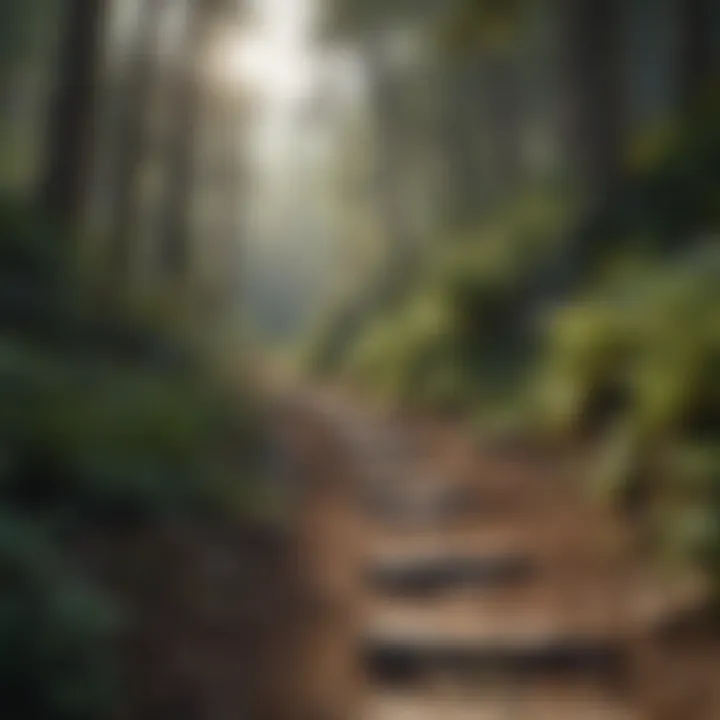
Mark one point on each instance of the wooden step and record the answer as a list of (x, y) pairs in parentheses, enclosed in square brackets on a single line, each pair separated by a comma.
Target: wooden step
[(397, 661), (537, 629), (507, 704), (424, 503), (402, 640), (407, 498), (423, 573), (378, 441)]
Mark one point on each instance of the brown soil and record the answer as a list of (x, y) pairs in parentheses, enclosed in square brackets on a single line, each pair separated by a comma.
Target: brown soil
[(234, 624)]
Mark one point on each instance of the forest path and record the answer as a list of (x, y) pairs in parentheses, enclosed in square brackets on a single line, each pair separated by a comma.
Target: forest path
[(452, 581)]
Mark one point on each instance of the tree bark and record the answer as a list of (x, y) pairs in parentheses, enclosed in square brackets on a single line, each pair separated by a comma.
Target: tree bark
[(63, 182), (224, 187), (131, 143), (462, 108), (594, 87), (696, 47), (177, 214), (504, 123), (390, 142)]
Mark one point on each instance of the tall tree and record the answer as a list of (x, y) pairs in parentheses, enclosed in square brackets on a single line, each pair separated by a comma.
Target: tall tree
[(222, 175), (385, 102), (188, 95), (130, 143), (696, 46), (372, 25), (70, 132), (595, 88), (484, 153), (464, 140), (18, 32), (502, 93)]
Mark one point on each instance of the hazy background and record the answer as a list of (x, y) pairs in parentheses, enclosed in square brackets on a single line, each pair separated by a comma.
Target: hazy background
[(499, 212)]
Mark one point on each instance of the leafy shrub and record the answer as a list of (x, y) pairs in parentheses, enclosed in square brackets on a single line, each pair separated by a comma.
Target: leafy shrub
[(668, 199), (329, 343), (452, 342), (637, 365), (57, 633), (411, 358), (651, 340), (102, 421), (98, 411), (104, 438)]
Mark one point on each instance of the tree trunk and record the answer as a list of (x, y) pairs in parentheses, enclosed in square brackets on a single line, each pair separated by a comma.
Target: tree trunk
[(594, 82), (177, 214), (233, 177), (696, 47), (462, 107), (390, 136), (222, 186), (504, 123), (70, 134), (131, 143)]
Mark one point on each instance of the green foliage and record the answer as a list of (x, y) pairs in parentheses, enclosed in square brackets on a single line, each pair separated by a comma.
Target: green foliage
[(119, 413), (686, 514), (669, 197), (649, 340), (603, 324), (21, 25), (103, 421), (353, 315), (632, 358), (57, 633), (343, 18), (410, 356), (115, 439), (328, 344), (452, 340), (489, 24), (636, 364), (26, 248)]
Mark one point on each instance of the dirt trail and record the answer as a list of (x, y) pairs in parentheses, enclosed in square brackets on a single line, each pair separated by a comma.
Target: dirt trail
[(450, 581)]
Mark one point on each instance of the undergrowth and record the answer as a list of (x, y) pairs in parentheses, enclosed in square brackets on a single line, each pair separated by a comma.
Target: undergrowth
[(597, 322), (105, 421)]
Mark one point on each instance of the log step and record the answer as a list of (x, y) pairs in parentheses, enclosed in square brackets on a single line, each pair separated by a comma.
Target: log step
[(424, 574), (510, 704)]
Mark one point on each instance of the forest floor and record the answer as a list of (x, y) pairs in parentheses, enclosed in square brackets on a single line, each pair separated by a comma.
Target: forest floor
[(419, 576), (453, 580)]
